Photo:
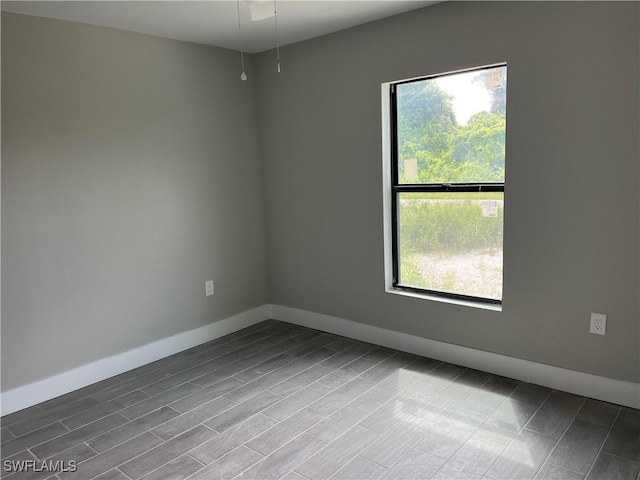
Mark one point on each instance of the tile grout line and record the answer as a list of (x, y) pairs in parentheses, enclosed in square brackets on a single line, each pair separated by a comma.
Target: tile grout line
[(116, 468), (149, 398), (163, 442), (120, 382), (575, 415), (141, 433), (102, 403), (479, 387), (40, 443), (195, 459), (621, 457), (319, 398), (200, 388), (256, 342), (425, 435), (323, 340), (228, 453), (61, 420), (89, 438), (388, 469), (209, 349), (604, 442), (208, 360), (255, 436), (167, 463), (113, 467), (524, 427), (328, 443), (283, 381), (257, 378)]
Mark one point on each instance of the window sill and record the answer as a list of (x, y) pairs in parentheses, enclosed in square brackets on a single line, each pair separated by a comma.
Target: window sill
[(452, 301)]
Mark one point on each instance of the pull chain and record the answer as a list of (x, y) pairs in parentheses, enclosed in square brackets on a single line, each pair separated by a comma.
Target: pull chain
[(243, 76), (275, 15)]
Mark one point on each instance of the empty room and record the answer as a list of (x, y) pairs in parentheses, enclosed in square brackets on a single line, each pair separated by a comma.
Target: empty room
[(303, 240)]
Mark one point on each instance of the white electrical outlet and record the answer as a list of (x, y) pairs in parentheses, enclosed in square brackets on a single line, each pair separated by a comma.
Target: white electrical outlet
[(208, 288), (598, 323)]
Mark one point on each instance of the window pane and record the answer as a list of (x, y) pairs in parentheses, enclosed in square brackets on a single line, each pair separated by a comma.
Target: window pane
[(451, 242), (451, 129)]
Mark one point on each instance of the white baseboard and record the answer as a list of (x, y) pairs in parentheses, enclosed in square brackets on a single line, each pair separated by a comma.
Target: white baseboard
[(601, 388), (593, 386), (52, 387)]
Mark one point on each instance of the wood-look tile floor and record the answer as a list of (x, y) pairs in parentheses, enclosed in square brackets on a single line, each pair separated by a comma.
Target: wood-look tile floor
[(277, 400)]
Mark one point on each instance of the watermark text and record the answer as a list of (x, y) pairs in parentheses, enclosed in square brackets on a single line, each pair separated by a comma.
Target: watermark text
[(53, 466)]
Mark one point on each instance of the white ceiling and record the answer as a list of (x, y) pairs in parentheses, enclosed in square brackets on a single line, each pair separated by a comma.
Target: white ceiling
[(216, 22)]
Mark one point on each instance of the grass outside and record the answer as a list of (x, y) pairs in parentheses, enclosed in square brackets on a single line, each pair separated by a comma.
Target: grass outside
[(447, 243)]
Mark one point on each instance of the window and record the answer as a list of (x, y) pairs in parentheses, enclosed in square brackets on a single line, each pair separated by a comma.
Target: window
[(447, 172)]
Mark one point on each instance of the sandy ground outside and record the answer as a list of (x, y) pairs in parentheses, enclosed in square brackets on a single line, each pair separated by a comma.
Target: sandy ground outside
[(471, 273)]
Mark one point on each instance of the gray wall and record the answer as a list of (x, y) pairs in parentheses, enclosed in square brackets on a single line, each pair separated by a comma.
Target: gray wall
[(572, 206), (132, 172), (130, 175)]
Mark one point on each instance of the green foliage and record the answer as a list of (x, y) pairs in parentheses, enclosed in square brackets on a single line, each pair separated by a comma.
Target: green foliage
[(425, 122), (434, 226), (410, 272), (478, 148), (447, 152)]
